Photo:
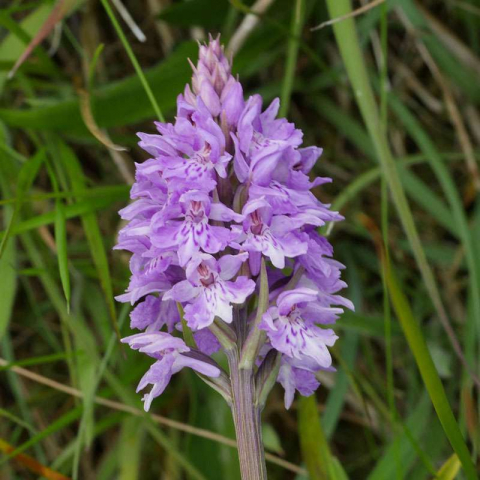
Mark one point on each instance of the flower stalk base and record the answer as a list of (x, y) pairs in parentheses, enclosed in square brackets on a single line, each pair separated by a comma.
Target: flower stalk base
[(247, 420)]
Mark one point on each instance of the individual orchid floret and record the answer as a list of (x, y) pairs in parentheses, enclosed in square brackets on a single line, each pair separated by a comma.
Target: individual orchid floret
[(300, 203), (291, 329), (153, 271), (326, 287), (172, 355), (264, 233), (152, 314), (208, 291), (295, 166), (261, 140), (185, 226), (141, 285), (200, 153), (297, 375)]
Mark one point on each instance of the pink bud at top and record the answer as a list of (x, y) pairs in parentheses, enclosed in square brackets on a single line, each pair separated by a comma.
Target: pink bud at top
[(212, 80)]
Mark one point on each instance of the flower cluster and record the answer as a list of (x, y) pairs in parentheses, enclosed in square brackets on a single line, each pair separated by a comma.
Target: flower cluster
[(228, 184)]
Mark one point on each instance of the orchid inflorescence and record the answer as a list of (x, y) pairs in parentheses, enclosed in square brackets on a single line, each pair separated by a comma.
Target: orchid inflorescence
[(224, 235)]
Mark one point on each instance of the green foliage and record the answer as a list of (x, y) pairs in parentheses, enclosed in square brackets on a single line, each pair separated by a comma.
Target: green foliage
[(196, 13), (362, 90)]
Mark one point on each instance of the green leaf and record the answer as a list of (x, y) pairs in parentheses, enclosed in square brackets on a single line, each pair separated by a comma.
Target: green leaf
[(34, 361), (61, 238), (271, 440), (418, 346), (26, 176), (424, 196), (460, 221), (133, 59), (202, 13), (186, 330), (118, 103), (92, 379), (348, 352), (448, 62), (11, 46), (8, 276), (17, 420), (132, 434), (449, 469), (70, 211), (352, 55), (320, 462), (62, 254), (92, 230), (401, 448), (298, 18), (348, 43), (365, 324), (55, 426)]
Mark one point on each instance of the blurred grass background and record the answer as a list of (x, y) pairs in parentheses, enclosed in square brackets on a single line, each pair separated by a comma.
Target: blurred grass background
[(392, 95)]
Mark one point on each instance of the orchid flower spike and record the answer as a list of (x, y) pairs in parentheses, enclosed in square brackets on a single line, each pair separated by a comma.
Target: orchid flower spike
[(223, 228)]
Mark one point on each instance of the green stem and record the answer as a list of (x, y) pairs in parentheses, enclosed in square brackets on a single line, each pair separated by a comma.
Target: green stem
[(246, 410), (292, 53), (247, 420), (134, 60)]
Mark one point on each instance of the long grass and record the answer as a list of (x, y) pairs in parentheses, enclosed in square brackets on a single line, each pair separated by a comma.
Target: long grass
[(403, 402)]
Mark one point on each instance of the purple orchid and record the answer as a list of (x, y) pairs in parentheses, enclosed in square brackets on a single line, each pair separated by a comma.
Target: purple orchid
[(190, 153), (185, 227), (152, 314), (261, 140), (227, 182), (268, 234), (171, 355), (291, 329), (209, 290), (296, 378)]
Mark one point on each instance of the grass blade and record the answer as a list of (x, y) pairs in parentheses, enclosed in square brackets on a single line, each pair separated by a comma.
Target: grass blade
[(292, 53), (76, 209), (130, 449), (26, 176), (349, 46), (92, 231), (133, 59), (321, 464), (8, 277), (62, 255), (34, 361), (401, 448), (348, 351), (11, 47), (418, 346), (460, 221), (61, 9), (55, 426), (61, 238)]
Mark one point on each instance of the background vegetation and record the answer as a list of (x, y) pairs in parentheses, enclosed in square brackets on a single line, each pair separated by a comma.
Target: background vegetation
[(392, 95)]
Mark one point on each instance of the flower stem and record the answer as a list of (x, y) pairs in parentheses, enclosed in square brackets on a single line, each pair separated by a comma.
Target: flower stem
[(247, 419)]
